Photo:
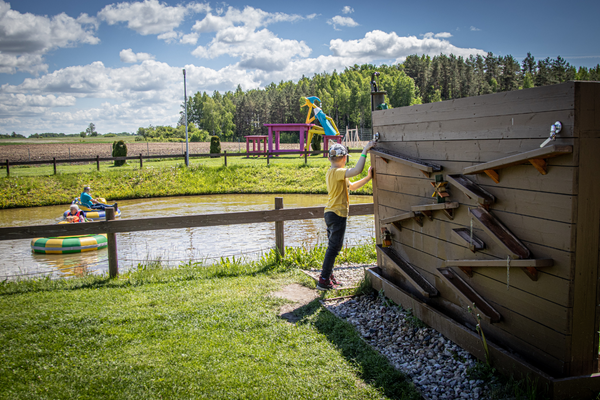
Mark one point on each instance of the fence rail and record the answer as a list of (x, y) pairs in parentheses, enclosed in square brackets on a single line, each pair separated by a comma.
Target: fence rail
[(279, 215), (268, 154)]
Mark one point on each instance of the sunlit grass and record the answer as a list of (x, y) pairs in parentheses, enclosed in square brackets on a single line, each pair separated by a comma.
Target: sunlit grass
[(169, 178), (197, 331)]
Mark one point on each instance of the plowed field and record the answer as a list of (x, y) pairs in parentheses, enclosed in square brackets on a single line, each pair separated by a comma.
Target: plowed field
[(64, 151)]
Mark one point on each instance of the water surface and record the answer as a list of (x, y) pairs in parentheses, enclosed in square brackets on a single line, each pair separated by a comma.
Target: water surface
[(174, 246)]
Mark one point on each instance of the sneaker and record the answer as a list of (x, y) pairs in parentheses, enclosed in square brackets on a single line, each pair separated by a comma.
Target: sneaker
[(325, 284), (333, 280)]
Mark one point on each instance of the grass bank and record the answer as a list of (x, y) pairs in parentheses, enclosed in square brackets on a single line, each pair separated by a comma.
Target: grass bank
[(193, 332), (169, 180)]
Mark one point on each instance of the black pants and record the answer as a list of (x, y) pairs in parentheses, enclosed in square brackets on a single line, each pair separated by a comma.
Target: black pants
[(336, 229)]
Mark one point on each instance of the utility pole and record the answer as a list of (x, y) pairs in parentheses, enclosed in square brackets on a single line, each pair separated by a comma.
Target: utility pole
[(187, 148)]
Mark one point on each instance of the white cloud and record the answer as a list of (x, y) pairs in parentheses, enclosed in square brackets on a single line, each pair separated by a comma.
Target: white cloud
[(150, 17), (31, 63), (191, 38), (312, 16), (237, 36), (128, 56), (474, 29), (136, 95), (170, 36), (347, 10), (25, 38), (338, 20), (249, 17), (442, 35), (378, 45)]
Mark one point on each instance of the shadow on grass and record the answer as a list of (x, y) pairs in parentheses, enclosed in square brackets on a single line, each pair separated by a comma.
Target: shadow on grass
[(373, 368)]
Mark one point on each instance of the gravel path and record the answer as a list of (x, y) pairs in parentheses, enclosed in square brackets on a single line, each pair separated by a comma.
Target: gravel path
[(437, 366)]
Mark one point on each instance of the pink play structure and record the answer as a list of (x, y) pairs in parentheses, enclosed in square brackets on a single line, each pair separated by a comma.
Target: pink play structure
[(275, 133)]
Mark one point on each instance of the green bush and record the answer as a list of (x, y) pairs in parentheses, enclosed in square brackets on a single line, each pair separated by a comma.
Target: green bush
[(119, 150), (215, 145), (316, 142)]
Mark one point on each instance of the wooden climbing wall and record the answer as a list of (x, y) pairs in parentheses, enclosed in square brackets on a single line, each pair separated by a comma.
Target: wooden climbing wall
[(545, 314)]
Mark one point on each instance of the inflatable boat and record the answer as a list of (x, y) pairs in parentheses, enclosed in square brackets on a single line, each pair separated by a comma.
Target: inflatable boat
[(92, 214), (69, 244)]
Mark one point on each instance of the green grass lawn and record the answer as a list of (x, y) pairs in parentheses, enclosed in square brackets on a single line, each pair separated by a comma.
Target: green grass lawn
[(169, 178), (194, 332), (48, 169)]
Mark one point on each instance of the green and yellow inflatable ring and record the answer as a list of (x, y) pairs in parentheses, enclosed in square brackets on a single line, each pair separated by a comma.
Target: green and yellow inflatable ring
[(68, 244)]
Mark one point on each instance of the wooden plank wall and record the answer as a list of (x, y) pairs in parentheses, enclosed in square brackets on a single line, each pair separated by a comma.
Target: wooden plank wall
[(540, 210)]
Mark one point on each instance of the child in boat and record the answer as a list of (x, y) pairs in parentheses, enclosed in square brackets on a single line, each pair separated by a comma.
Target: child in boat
[(336, 211), (91, 203), (75, 214)]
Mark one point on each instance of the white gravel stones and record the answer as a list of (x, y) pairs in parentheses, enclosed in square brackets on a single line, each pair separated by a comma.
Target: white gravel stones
[(347, 275), (437, 366)]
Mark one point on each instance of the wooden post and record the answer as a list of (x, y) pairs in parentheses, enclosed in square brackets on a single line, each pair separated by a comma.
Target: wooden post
[(54, 161), (7, 168), (113, 261), (305, 157), (98, 162), (279, 242), (141, 161), (225, 153)]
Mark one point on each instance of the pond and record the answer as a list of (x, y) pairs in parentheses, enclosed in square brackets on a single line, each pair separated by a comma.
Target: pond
[(175, 246)]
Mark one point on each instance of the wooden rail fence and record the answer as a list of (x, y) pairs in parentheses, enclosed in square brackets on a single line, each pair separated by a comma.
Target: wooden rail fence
[(113, 226), (268, 155)]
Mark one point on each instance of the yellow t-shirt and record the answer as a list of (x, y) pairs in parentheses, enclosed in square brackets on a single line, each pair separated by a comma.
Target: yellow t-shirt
[(337, 189)]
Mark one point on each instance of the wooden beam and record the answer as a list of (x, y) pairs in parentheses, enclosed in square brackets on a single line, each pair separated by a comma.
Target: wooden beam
[(184, 221), (412, 275), (404, 160), (470, 296), (471, 189), (537, 263), (279, 237), (427, 209), (540, 165), (397, 218), (473, 242), (521, 158), (499, 233)]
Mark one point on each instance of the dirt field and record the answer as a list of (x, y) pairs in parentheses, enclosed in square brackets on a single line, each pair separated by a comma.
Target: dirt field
[(62, 151)]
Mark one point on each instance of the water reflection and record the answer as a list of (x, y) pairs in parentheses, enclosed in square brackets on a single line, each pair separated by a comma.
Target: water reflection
[(174, 246)]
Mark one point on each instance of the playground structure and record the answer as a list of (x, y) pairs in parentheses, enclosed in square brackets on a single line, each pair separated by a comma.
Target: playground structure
[(474, 212), (306, 130)]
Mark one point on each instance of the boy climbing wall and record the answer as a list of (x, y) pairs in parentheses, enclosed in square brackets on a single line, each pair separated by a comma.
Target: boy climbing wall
[(336, 211)]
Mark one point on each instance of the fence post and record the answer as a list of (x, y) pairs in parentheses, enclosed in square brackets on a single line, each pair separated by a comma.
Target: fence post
[(305, 157), (113, 261), (279, 242), (7, 168), (141, 161), (54, 160), (225, 153), (98, 163)]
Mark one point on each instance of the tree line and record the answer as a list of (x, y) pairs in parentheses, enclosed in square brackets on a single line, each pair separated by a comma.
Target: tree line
[(449, 77), (346, 95)]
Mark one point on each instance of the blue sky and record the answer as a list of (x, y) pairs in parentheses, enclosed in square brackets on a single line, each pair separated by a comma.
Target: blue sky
[(64, 64)]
